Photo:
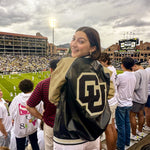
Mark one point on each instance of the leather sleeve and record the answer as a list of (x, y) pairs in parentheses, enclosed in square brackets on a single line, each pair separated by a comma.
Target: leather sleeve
[(111, 88), (58, 79)]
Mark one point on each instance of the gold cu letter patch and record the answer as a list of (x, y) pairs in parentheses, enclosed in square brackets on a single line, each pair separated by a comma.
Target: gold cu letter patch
[(91, 94)]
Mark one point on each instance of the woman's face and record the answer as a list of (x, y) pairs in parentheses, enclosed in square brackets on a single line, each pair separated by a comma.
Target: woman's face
[(80, 45)]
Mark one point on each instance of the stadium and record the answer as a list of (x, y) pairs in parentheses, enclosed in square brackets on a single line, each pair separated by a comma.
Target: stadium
[(29, 53), (129, 47), (20, 44), (25, 56), (26, 53)]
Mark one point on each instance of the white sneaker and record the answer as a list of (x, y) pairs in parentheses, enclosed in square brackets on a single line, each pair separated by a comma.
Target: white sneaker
[(135, 137), (146, 128), (141, 134)]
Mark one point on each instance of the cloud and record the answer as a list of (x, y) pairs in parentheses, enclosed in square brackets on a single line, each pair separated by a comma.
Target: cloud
[(110, 17), (10, 3), (12, 12), (131, 22)]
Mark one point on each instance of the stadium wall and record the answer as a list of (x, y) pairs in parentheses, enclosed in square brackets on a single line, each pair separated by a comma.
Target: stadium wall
[(20, 44), (141, 52)]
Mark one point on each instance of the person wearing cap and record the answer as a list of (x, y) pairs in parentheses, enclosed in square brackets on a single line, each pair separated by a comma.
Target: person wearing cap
[(139, 99), (39, 94)]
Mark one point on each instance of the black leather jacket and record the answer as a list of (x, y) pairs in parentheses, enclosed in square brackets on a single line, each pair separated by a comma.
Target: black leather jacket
[(82, 113)]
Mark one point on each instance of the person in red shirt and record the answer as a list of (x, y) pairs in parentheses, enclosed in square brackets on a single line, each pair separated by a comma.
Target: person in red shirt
[(39, 94)]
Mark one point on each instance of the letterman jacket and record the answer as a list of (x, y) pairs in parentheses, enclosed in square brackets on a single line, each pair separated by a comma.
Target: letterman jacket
[(80, 87)]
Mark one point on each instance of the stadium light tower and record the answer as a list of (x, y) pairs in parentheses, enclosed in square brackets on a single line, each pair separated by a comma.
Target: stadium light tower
[(52, 24)]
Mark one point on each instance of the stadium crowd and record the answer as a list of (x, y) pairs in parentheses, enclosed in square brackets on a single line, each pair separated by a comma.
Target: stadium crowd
[(21, 63), (26, 63)]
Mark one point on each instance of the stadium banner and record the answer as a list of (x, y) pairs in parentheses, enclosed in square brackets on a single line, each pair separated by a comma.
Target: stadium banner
[(128, 44)]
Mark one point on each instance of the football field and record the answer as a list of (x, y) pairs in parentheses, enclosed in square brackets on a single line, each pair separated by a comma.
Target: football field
[(9, 83)]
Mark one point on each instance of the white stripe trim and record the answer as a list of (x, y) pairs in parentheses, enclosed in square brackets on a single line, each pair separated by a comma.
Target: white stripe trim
[(68, 141)]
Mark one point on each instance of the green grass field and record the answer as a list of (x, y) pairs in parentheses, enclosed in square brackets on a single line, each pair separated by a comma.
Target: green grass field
[(119, 71), (9, 83)]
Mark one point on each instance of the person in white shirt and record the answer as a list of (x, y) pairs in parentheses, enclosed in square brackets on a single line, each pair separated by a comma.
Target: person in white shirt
[(5, 122), (24, 123), (125, 87), (110, 132)]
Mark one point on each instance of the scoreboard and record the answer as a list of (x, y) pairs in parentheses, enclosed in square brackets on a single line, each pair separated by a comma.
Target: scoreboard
[(128, 44)]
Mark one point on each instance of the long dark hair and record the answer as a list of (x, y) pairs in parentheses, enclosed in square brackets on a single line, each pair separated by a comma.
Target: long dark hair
[(94, 40)]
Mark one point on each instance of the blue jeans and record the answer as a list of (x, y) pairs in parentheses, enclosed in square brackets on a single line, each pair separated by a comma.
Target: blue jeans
[(123, 126), (33, 140)]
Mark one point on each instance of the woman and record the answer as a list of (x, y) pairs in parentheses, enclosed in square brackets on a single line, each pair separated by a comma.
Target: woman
[(81, 86)]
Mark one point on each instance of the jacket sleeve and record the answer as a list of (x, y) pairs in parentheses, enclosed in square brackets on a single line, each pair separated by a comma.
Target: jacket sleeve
[(111, 88), (58, 79)]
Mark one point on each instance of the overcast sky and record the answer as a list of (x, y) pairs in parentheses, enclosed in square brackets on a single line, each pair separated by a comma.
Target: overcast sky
[(113, 19)]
